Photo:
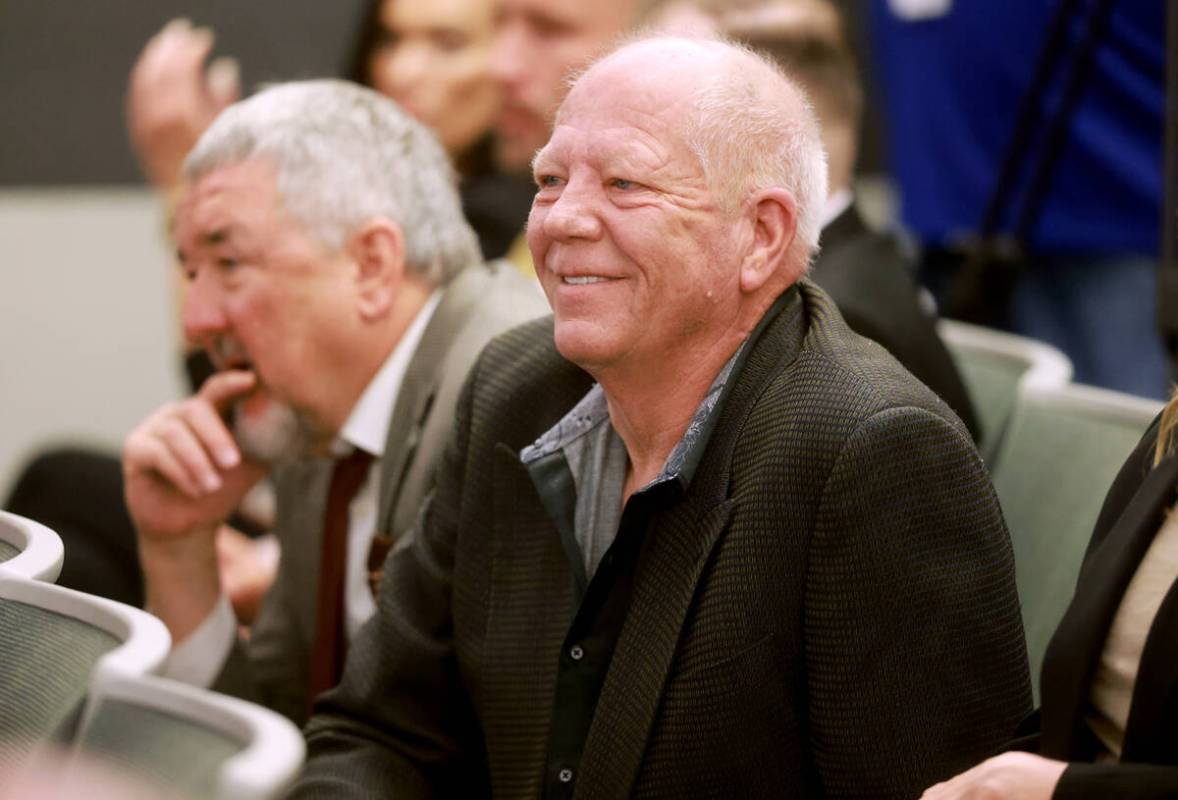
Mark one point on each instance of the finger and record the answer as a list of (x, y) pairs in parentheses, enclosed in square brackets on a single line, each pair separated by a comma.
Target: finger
[(151, 454), (211, 431), (145, 65), (174, 26), (184, 445), (957, 786), (169, 61), (223, 387), (170, 32), (180, 44), (223, 81), (198, 43), (174, 62)]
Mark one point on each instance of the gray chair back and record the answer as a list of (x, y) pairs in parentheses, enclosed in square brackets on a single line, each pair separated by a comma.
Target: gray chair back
[(996, 366), (29, 549), (1061, 452), (195, 743), (53, 641)]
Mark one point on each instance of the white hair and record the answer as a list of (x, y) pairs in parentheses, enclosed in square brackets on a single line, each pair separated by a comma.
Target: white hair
[(753, 128), (345, 155)]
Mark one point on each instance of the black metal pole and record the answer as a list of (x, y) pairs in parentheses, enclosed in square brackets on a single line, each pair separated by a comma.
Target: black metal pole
[(1168, 276)]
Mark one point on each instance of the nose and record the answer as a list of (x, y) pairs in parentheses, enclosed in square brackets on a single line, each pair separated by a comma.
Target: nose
[(202, 313), (507, 60), (574, 215), (408, 66)]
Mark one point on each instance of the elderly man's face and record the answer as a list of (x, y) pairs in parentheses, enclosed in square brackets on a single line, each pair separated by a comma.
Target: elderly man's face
[(537, 44), (263, 296), (630, 243)]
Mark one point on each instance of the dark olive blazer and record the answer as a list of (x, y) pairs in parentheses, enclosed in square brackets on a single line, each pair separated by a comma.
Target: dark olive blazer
[(871, 281), (1133, 513), (830, 611)]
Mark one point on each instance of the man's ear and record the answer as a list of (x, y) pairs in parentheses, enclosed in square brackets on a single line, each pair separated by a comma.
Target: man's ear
[(774, 217), (377, 248)]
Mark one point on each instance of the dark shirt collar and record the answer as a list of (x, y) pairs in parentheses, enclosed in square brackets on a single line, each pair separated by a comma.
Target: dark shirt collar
[(593, 410)]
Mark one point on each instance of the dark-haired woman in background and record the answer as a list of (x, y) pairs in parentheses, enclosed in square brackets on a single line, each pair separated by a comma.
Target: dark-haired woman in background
[(431, 56), (1108, 723)]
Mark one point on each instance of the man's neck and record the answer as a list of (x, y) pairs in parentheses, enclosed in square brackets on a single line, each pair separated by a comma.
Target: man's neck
[(651, 405), (379, 342)]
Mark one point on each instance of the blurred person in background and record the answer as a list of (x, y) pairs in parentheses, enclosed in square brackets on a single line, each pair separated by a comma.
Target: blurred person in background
[(432, 57), (1026, 141), (870, 275), (539, 44)]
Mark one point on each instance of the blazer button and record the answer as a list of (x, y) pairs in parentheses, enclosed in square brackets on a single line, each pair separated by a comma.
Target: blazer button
[(576, 653), (566, 775)]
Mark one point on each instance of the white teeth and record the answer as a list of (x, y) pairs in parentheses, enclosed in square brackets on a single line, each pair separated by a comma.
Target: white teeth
[(580, 280)]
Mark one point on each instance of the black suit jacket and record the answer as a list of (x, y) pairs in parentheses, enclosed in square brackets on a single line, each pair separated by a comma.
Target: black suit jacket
[(830, 611), (1133, 513), (871, 282)]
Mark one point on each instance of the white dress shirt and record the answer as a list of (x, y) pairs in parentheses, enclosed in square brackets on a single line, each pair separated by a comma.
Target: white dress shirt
[(200, 657), (836, 204)]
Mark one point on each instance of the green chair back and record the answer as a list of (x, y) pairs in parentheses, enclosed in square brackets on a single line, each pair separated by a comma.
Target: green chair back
[(995, 367), (1060, 454)]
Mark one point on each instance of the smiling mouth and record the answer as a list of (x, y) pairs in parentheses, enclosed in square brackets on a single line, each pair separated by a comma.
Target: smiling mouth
[(581, 280)]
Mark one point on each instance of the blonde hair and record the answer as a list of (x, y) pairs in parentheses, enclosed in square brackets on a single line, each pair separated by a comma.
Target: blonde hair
[(1167, 429)]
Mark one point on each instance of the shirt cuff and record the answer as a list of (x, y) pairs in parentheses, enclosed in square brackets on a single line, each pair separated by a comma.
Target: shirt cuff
[(198, 659)]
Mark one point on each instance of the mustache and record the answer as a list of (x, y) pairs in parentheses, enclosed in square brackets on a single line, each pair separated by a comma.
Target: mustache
[(227, 353)]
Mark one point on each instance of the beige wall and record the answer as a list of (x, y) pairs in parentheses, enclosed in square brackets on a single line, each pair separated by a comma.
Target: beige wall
[(87, 330)]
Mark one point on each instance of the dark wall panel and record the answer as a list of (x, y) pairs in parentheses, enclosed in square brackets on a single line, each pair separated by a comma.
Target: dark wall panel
[(64, 67)]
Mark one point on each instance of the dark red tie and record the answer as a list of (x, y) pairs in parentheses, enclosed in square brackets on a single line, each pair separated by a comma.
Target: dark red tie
[(327, 657)]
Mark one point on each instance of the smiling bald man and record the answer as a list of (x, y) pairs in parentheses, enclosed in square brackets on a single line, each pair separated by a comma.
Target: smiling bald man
[(692, 537)]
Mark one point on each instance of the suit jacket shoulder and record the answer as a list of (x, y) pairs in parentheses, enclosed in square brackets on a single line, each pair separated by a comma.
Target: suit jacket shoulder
[(871, 282), (477, 306)]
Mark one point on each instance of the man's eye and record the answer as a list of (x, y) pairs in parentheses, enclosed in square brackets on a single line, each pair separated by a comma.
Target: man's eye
[(622, 183), (386, 38), (227, 263), (449, 41), (547, 181)]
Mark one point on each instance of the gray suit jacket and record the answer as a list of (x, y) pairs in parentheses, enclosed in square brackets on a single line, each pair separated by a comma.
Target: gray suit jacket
[(829, 612), (273, 668)]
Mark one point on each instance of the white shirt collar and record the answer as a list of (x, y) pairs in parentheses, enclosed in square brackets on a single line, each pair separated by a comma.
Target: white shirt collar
[(836, 204), (367, 426)]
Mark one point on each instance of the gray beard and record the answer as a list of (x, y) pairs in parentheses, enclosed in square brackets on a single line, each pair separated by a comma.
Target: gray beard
[(280, 434)]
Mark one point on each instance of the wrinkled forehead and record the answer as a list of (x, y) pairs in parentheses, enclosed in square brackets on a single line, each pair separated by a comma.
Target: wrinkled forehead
[(228, 198), (659, 76), (610, 92)]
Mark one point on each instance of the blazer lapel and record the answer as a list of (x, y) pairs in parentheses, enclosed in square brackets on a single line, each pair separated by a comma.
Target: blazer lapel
[(419, 385), (1078, 641), (529, 610)]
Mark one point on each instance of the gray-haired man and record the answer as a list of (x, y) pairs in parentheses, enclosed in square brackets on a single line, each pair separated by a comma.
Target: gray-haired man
[(342, 297)]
